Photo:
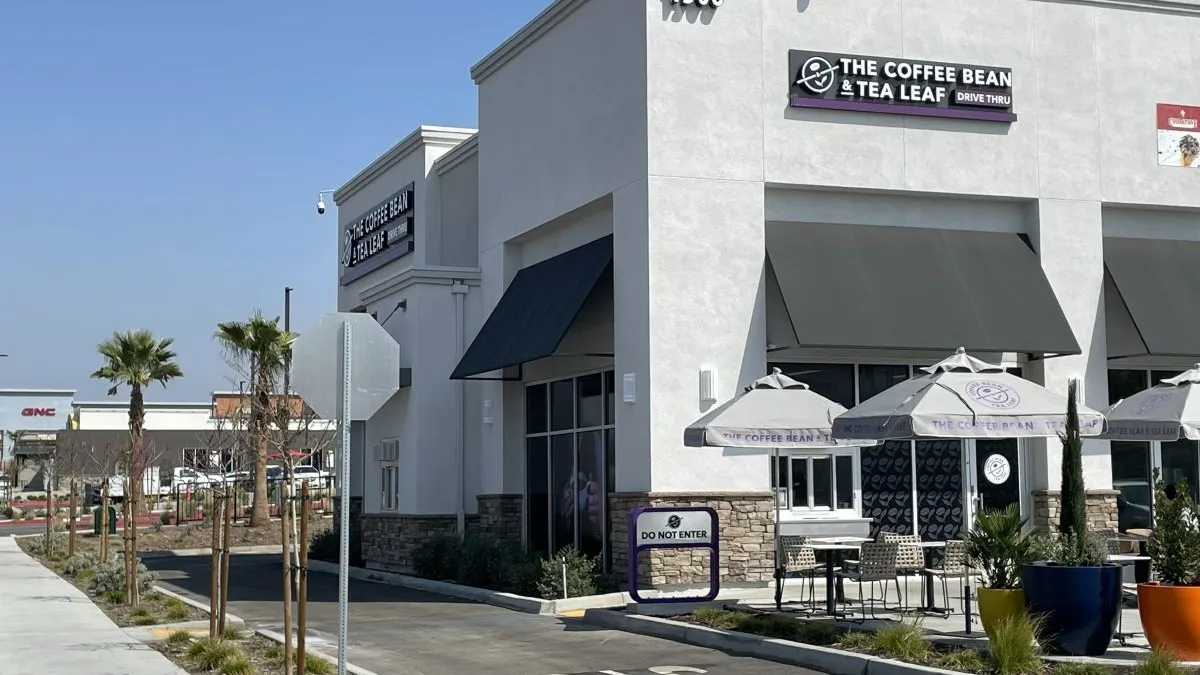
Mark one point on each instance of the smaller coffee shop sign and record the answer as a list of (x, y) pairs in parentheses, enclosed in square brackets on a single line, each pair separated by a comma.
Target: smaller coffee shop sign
[(379, 236), (899, 86), (679, 528)]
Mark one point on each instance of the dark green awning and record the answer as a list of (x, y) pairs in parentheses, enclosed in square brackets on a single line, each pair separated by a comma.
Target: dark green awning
[(537, 309), (908, 288), (1150, 297)]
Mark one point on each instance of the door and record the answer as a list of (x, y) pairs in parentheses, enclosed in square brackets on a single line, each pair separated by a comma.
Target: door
[(994, 474)]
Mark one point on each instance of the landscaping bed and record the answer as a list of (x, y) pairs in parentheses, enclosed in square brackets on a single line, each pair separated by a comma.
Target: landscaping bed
[(237, 654), (160, 537), (103, 584), (1013, 652)]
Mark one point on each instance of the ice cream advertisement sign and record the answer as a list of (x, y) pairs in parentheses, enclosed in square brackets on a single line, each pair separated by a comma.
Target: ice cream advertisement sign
[(886, 85), (1179, 135)]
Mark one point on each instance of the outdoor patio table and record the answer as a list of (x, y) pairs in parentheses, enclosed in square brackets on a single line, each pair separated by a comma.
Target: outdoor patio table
[(929, 595), (832, 544), (1141, 566)]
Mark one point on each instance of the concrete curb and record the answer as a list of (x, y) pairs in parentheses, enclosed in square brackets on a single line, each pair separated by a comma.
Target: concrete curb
[(823, 659), (231, 620), (271, 548), (511, 601), (276, 636)]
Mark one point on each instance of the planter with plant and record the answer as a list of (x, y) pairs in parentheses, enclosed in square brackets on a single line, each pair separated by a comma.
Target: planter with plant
[(1074, 590), (997, 547), (1170, 608)]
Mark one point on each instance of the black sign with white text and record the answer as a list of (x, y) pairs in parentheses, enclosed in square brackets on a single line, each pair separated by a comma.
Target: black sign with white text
[(378, 236), (899, 86)]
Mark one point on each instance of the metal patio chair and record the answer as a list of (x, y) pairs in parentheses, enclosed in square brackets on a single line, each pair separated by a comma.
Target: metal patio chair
[(954, 566), (910, 559), (876, 565), (801, 560)]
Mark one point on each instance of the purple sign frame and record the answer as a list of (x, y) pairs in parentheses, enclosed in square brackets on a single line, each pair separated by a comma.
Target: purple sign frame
[(635, 547), (899, 86)]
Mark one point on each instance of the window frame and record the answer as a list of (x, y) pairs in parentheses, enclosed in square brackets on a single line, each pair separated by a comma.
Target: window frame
[(607, 418), (389, 492), (789, 502)]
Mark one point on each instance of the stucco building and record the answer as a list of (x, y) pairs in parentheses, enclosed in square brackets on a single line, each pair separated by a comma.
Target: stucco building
[(846, 191)]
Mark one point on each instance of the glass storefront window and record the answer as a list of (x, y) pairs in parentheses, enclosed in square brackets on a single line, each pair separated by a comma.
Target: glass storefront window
[(1179, 464), (834, 381), (818, 482), (1131, 479), (873, 380), (570, 466), (1125, 383)]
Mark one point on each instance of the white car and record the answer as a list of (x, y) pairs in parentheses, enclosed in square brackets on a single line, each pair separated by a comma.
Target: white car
[(311, 475)]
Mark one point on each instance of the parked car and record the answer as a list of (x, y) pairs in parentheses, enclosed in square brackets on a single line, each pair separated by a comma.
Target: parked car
[(311, 475)]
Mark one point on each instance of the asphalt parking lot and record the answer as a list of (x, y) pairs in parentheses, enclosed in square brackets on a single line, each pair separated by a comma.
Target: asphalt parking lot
[(399, 631)]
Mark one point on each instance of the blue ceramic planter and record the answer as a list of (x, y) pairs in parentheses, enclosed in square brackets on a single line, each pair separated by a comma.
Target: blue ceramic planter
[(1081, 605)]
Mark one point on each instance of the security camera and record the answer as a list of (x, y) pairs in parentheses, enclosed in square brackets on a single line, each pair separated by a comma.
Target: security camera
[(320, 205)]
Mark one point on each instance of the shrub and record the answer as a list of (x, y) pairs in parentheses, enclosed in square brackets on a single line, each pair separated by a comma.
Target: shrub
[(236, 664), (114, 596), (1013, 650), (80, 562), (963, 661), (208, 653), (1072, 517), (1070, 668), (582, 574), (1174, 545), (316, 665), (904, 641), (165, 517), (1158, 662), (437, 559), (37, 545), (177, 612), (497, 564), (325, 546), (179, 638), (998, 545), (7, 512), (110, 576), (142, 617)]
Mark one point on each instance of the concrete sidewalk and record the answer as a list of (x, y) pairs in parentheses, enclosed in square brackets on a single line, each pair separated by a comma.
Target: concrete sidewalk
[(49, 626)]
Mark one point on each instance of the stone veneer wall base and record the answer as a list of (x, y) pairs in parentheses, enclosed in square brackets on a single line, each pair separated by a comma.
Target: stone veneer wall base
[(744, 521), (1101, 510)]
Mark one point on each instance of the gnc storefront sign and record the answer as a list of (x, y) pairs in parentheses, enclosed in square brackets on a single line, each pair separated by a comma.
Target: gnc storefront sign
[(35, 410)]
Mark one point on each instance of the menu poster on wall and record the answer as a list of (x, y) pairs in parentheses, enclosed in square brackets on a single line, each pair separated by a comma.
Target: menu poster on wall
[(1179, 135)]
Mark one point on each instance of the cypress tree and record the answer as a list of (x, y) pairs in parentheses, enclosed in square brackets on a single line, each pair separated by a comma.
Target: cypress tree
[(1073, 512)]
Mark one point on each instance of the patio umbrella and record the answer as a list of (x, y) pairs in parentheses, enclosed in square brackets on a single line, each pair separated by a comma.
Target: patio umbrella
[(774, 412), (1168, 411), (965, 398)]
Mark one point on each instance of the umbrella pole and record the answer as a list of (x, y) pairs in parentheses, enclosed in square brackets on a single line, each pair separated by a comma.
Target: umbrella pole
[(775, 497)]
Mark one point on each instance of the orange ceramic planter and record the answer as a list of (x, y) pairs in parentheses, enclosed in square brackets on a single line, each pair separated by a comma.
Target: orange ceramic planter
[(1171, 618)]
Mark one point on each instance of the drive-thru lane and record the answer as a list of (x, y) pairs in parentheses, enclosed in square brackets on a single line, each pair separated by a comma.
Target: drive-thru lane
[(400, 631)]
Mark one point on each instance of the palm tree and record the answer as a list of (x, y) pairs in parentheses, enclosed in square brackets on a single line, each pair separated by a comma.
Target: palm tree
[(265, 346), (135, 359)]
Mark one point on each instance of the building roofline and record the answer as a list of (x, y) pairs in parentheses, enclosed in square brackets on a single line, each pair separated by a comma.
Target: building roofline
[(420, 137), (58, 392), (523, 38), (461, 153), (183, 405)]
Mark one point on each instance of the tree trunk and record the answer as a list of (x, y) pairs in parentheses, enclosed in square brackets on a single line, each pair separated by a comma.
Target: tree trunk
[(137, 471), (226, 538), (104, 520), (214, 582), (71, 520), (130, 553), (302, 595), (49, 510), (285, 528), (260, 513)]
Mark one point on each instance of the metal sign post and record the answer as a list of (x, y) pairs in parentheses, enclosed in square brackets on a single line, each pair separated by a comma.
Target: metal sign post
[(345, 367), (669, 527)]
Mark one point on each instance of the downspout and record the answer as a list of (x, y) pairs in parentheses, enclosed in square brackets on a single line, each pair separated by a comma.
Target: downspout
[(459, 290)]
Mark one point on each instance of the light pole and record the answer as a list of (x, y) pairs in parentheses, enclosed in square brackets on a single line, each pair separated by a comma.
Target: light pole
[(287, 357)]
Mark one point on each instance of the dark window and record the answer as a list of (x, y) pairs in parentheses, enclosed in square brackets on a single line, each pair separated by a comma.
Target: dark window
[(537, 479), (610, 386), (873, 380), (834, 381), (536, 413), (590, 495), (591, 401), (563, 492), (845, 481), (822, 479), (1157, 376), (610, 486), (1131, 479), (799, 478), (1125, 383), (562, 405), (1179, 464)]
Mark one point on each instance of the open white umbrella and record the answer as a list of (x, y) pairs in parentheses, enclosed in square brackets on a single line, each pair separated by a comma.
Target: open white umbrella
[(963, 397), (775, 412), (1168, 411)]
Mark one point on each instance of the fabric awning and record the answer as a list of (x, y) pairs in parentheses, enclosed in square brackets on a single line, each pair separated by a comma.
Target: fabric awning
[(537, 309), (1151, 299), (906, 288)]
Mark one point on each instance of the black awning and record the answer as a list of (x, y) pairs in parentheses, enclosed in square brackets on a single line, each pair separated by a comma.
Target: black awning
[(1157, 282), (537, 309), (856, 286)]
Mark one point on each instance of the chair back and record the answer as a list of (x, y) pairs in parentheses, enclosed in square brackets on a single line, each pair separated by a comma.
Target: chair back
[(954, 560), (878, 561), (798, 556), (910, 555)]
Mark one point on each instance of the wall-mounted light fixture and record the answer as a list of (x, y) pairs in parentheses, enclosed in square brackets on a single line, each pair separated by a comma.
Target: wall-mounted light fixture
[(487, 411), (708, 386), (629, 388)]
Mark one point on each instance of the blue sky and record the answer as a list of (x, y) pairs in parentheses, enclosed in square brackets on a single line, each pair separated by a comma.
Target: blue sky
[(160, 160)]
